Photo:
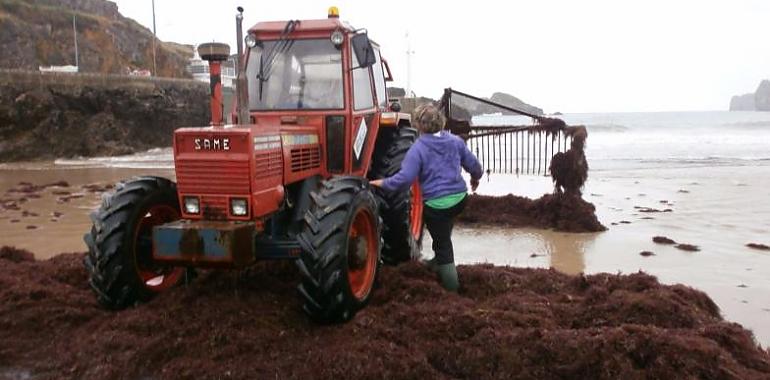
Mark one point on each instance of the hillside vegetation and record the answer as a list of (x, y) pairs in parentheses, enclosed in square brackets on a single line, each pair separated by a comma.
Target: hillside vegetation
[(39, 33)]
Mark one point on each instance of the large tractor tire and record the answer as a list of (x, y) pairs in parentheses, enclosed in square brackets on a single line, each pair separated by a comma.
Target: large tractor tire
[(119, 261), (341, 241), (401, 212)]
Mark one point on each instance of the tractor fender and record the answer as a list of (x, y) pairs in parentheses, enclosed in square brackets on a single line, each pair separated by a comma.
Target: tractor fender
[(395, 119)]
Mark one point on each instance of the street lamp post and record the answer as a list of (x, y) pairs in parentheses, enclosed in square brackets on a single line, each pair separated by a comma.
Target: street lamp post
[(154, 37), (75, 37)]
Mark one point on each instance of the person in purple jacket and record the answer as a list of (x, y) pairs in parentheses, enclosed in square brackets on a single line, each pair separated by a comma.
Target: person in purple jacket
[(436, 159)]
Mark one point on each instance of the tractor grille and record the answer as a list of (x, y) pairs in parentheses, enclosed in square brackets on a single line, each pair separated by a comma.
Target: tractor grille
[(212, 177), (268, 164), (305, 158), (214, 207)]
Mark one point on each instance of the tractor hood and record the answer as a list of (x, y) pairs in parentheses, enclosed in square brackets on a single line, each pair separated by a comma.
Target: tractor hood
[(217, 165)]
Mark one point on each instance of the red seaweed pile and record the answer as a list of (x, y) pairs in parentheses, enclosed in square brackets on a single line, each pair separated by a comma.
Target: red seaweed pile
[(562, 212), (504, 323), (569, 170)]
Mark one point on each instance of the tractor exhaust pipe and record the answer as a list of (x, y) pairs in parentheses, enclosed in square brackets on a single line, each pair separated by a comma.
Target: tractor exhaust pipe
[(241, 85), (215, 53)]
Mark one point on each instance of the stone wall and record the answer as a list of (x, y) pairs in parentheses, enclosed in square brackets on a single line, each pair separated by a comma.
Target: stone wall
[(53, 115)]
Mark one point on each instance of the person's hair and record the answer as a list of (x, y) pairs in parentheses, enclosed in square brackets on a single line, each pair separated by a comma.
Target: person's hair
[(428, 118)]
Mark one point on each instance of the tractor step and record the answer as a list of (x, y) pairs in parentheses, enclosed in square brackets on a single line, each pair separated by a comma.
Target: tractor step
[(275, 249), (204, 243)]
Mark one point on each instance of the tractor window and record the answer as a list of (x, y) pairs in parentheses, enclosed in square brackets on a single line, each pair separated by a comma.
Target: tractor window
[(305, 74), (379, 80), (362, 86)]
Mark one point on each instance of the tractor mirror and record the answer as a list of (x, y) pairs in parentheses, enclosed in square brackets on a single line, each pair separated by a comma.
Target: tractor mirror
[(363, 50)]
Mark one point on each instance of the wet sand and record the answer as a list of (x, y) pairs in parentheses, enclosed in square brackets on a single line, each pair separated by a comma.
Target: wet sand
[(718, 209), (53, 235)]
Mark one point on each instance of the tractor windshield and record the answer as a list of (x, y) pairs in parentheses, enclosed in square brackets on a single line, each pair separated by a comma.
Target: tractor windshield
[(301, 74)]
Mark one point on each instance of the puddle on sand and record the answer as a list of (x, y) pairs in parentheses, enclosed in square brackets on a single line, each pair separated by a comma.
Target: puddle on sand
[(523, 247), (59, 225)]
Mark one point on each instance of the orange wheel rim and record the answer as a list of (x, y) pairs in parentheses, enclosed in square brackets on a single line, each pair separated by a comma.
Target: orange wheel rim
[(415, 214), (154, 277), (362, 254)]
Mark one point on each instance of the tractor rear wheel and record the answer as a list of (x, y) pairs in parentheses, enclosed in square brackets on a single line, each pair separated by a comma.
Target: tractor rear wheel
[(340, 255), (119, 261), (401, 211)]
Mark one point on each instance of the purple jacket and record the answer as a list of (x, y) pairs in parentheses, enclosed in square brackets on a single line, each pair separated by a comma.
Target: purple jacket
[(436, 161)]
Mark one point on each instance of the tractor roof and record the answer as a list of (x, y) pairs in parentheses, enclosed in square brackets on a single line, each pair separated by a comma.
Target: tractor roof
[(327, 24)]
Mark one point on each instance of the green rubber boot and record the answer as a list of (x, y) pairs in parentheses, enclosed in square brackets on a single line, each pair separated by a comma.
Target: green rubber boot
[(447, 274)]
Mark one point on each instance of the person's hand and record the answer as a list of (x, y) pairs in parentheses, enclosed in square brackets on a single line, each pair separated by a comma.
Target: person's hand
[(474, 184), (376, 183)]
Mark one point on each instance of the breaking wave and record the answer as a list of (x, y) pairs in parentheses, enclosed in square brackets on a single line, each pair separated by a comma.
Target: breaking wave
[(749, 125), (606, 128), (157, 158)]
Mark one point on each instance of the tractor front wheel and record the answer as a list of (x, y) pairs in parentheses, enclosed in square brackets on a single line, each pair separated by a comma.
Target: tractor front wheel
[(340, 257), (401, 211), (119, 261)]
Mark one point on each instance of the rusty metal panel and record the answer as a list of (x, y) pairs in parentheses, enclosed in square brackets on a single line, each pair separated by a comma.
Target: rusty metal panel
[(204, 243)]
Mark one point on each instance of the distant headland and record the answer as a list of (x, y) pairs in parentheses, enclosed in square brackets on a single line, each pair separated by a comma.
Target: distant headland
[(753, 101), (468, 108)]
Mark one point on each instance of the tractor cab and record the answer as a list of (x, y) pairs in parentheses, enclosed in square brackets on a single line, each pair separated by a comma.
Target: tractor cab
[(295, 74), (313, 65), (321, 73)]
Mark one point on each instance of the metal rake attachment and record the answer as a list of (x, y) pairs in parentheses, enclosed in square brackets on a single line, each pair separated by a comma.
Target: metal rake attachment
[(510, 149)]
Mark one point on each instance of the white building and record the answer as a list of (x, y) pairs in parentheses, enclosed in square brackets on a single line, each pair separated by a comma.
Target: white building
[(200, 70), (59, 69)]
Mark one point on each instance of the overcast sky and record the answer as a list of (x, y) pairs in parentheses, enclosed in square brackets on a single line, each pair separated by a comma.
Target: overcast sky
[(562, 55)]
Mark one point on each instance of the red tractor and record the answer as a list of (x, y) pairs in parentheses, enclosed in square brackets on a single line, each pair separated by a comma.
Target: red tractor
[(288, 179)]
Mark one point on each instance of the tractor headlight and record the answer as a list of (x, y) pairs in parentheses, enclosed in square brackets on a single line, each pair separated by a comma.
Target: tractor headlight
[(192, 205), (250, 40), (337, 38), (238, 207)]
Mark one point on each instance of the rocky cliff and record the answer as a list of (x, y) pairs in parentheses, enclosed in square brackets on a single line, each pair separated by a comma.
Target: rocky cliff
[(474, 107), (514, 102), (743, 102), (47, 115), (755, 101), (39, 33), (762, 96), (465, 108)]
